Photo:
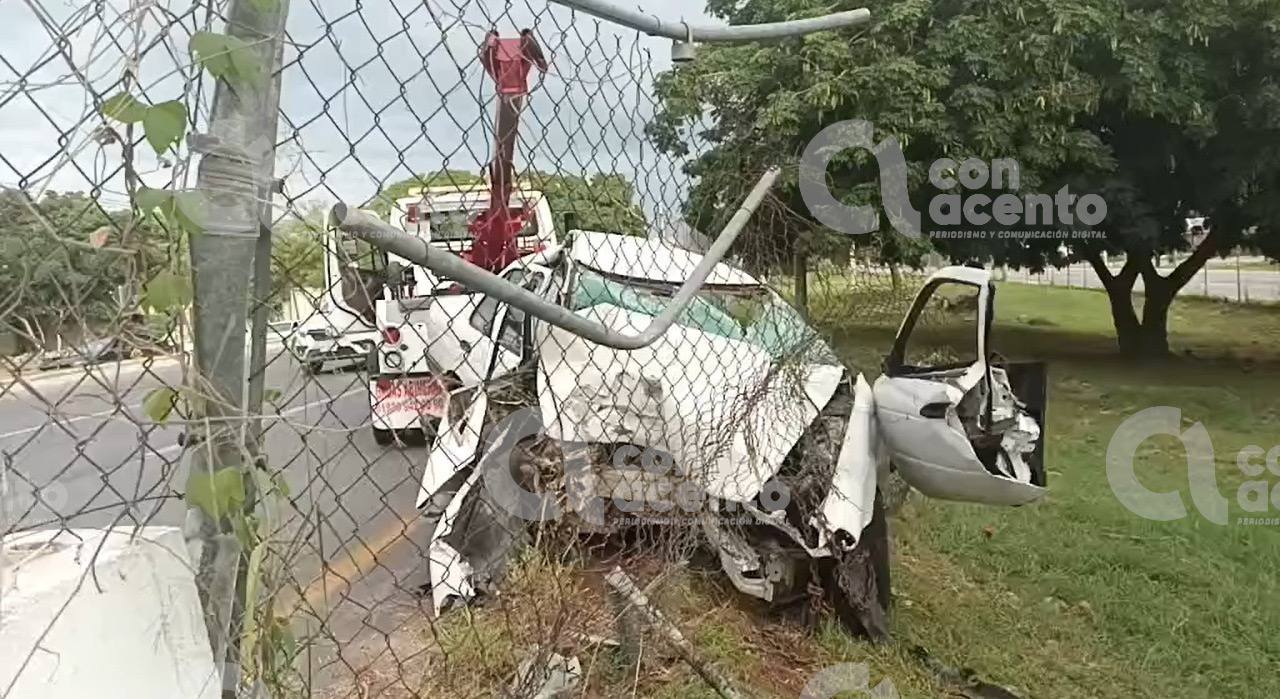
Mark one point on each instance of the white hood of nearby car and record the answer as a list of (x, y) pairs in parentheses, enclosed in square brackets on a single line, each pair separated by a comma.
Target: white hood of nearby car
[(724, 409), (650, 260)]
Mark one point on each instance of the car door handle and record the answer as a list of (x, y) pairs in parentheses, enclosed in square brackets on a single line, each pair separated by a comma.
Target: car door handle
[(935, 410)]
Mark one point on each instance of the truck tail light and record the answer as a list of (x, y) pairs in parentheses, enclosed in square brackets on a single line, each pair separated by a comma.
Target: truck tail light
[(391, 335), (412, 213)]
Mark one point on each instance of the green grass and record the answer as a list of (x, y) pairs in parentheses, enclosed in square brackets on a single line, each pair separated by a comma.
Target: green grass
[(1074, 323), (1075, 595), (1053, 323)]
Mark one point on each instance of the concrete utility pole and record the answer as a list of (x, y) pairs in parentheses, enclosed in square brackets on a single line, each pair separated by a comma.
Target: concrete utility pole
[(235, 176)]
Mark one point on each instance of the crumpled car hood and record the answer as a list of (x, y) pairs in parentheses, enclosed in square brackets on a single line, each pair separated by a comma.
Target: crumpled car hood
[(726, 410)]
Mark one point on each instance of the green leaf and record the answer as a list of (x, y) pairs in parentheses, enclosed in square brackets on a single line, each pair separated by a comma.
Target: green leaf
[(217, 494), (249, 645), (240, 526), (281, 485), (183, 210), (165, 124), (226, 57), (212, 52), (148, 199), (245, 62), (124, 108), (190, 211), (283, 640), (159, 404), (167, 291)]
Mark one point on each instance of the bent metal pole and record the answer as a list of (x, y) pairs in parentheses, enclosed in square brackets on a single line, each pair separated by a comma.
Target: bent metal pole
[(449, 266)]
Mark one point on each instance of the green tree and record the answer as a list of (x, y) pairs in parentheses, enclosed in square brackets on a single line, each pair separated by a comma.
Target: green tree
[(385, 200), (1165, 109), (76, 268), (297, 253), (599, 202)]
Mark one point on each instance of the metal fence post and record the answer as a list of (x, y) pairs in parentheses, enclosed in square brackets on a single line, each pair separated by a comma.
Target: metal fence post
[(234, 172)]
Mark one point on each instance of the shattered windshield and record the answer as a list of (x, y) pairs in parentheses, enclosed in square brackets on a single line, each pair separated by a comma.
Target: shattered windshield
[(455, 224), (450, 225), (753, 314)]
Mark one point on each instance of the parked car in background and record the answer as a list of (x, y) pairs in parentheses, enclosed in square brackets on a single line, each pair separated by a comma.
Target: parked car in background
[(331, 338), (113, 348)]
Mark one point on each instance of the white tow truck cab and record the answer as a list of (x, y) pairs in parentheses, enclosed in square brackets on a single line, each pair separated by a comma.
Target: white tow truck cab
[(435, 335)]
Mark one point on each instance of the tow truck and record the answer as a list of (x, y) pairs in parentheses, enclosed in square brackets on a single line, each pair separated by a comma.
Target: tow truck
[(343, 331), (432, 330)]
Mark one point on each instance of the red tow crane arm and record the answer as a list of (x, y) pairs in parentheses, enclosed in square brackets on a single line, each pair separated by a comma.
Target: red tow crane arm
[(508, 62)]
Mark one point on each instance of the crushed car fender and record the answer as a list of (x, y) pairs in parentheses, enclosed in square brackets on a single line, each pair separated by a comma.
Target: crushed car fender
[(847, 509), (457, 445)]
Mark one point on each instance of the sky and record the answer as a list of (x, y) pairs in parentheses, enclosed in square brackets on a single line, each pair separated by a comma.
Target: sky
[(370, 95)]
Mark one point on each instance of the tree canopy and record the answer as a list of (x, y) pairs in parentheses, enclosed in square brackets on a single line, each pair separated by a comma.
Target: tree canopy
[(297, 253), (72, 270), (1166, 110)]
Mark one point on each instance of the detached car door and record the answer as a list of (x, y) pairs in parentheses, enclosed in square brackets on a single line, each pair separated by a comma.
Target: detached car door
[(957, 425), (505, 345)]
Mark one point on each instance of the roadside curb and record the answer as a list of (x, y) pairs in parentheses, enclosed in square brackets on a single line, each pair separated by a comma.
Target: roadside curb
[(165, 360), (38, 375)]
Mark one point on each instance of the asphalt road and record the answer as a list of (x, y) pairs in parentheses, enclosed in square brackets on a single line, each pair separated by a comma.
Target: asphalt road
[(1216, 282), (78, 451)]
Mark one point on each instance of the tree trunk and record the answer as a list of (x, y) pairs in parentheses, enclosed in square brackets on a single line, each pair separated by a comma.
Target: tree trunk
[(800, 265), (1160, 292), (1148, 337), (1128, 327), (1155, 325), (1119, 288)]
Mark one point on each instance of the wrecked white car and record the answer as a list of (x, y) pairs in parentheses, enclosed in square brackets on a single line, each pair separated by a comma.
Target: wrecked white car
[(738, 424)]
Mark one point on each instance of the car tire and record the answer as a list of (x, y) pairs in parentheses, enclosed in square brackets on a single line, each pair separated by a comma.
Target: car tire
[(315, 367), (858, 584), (383, 437)]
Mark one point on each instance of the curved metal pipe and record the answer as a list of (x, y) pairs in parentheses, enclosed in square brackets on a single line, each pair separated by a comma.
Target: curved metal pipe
[(682, 31), (448, 265)]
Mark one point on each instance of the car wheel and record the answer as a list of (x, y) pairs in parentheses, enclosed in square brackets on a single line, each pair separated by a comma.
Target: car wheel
[(858, 582), (383, 437), (315, 367)]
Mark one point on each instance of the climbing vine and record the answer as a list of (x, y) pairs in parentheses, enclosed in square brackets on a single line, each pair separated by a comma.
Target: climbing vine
[(240, 496)]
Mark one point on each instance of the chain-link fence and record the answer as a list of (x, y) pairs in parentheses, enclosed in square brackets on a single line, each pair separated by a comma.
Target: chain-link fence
[(245, 451)]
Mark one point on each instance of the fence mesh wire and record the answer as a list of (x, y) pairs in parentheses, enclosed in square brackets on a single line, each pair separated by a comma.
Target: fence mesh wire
[(375, 560)]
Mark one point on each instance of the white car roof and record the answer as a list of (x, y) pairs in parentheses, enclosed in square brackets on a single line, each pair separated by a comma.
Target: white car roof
[(969, 275), (642, 258)]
